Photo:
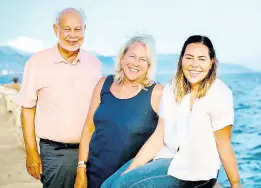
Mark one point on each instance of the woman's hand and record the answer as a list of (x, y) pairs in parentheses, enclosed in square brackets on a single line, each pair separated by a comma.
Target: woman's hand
[(81, 178)]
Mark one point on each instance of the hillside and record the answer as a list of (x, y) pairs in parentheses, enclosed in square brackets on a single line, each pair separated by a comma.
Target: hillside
[(13, 61)]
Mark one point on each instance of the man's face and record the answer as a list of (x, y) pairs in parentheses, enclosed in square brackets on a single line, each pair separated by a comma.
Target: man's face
[(70, 31)]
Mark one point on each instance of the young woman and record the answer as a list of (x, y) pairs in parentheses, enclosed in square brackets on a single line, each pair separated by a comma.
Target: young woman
[(122, 115), (193, 135)]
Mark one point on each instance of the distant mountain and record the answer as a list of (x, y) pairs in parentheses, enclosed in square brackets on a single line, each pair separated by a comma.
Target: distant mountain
[(230, 68), (14, 60), (253, 63)]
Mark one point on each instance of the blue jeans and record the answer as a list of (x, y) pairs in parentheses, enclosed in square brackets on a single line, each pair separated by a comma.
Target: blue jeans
[(153, 174)]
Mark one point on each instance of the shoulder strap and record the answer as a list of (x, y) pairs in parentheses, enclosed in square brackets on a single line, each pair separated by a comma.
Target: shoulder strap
[(150, 89), (107, 84)]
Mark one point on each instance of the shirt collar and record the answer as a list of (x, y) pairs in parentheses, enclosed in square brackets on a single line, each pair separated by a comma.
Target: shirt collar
[(59, 59)]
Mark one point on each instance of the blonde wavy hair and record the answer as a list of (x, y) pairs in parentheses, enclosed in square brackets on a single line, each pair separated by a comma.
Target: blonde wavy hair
[(149, 42), (179, 81)]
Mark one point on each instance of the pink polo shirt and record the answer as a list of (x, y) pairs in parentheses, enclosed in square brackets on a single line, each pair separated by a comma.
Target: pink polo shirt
[(61, 93)]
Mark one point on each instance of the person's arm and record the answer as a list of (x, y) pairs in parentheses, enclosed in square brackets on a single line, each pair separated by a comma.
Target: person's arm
[(33, 160), (27, 121), (155, 143), (89, 126), (222, 118), (227, 156), (28, 99), (87, 131)]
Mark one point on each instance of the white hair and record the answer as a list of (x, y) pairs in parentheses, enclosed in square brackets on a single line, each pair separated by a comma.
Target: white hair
[(79, 11)]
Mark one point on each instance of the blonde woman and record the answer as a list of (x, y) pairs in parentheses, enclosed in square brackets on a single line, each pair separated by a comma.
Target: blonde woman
[(193, 135), (122, 115)]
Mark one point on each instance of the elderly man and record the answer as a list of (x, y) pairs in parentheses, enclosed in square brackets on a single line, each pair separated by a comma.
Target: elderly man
[(55, 95)]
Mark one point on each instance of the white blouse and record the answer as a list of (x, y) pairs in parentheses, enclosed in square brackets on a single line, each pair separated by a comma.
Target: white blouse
[(189, 135)]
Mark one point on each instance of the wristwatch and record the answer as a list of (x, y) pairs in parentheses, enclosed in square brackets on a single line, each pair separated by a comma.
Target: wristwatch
[(82, 163)]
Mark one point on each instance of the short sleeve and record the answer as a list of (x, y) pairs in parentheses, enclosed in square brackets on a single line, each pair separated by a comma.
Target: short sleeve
[(28, 92), (222, 112), (99, 65), (96, 70)]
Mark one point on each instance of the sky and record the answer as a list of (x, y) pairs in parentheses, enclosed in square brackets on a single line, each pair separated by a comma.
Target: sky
[(234, 26)]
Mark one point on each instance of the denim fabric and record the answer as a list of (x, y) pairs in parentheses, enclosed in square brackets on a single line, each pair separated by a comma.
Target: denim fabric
[(115, 176), (152, 175)]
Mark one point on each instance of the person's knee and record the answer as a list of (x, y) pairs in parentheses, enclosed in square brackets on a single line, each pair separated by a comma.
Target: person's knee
[(110, 181), (120, 183), (106, 184)]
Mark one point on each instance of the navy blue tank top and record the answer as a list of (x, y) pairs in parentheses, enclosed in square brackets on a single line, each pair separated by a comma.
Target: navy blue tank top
[(122, 126)]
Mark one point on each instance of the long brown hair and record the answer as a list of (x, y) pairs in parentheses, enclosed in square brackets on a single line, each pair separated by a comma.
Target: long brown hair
[(180, 82)]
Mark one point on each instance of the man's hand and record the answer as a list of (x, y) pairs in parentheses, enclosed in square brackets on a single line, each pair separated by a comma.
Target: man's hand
[(81, 178), (34, 164)]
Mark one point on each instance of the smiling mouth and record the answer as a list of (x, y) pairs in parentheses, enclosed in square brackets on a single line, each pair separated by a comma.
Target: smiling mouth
[(194, 73), (72, 42), (133, 70)]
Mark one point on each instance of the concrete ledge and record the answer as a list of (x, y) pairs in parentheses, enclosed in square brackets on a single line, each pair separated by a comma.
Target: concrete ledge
[(9, 97), (13, 111)]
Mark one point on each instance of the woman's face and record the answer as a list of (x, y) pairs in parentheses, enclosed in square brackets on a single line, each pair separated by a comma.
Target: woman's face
[(196, 63), (135, 63)]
